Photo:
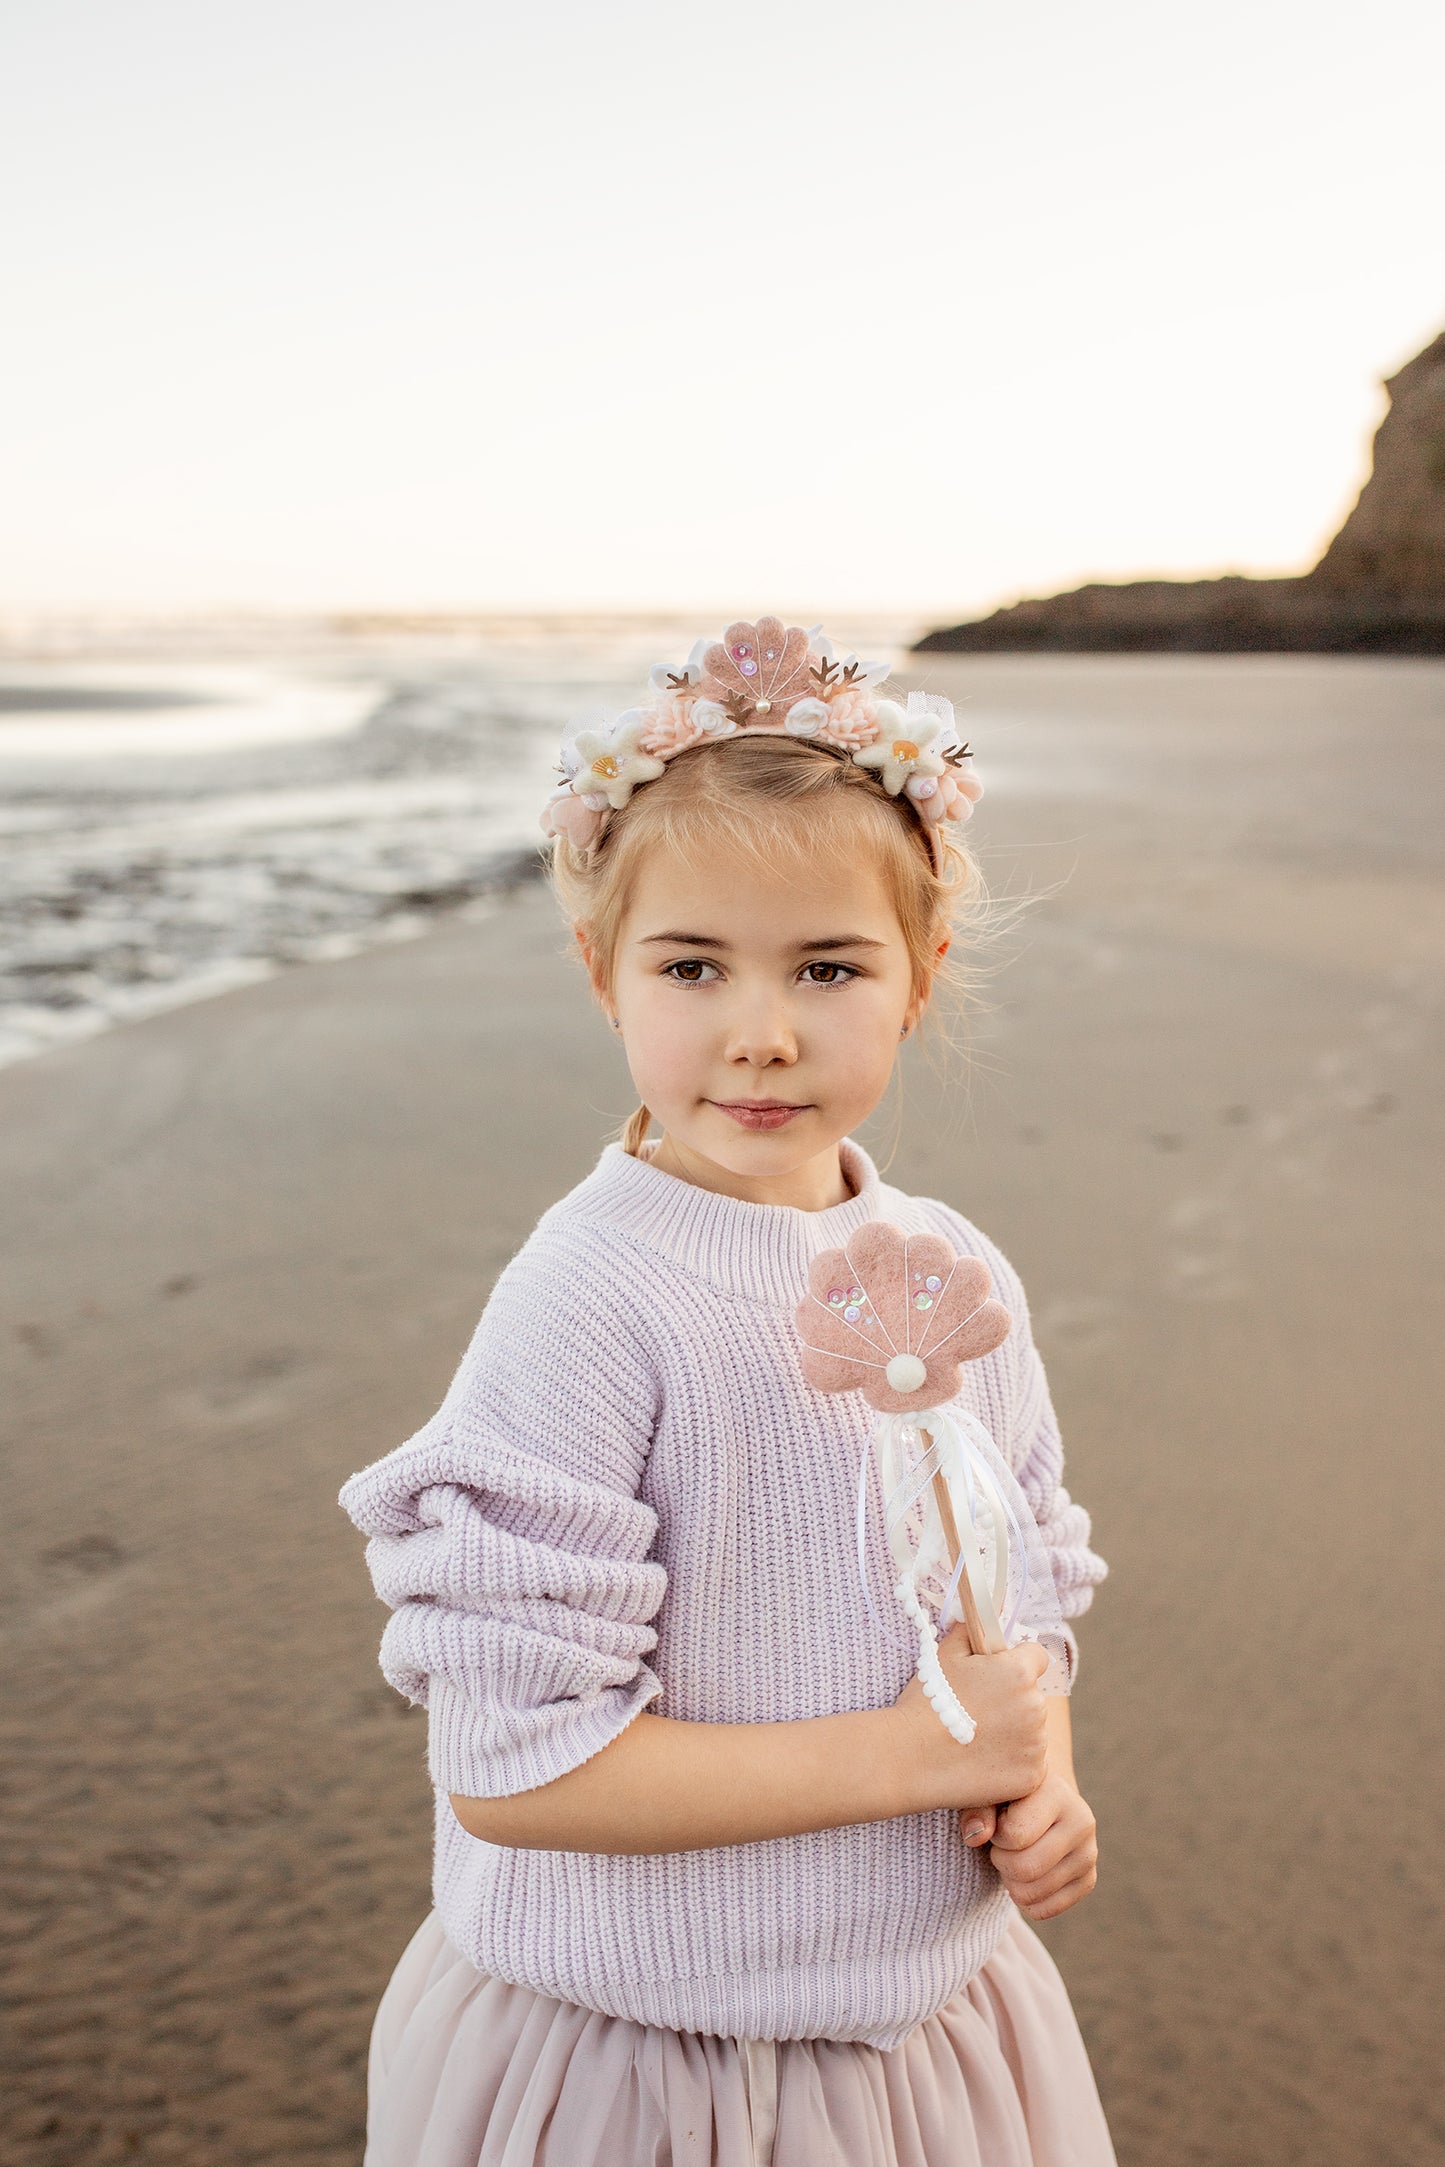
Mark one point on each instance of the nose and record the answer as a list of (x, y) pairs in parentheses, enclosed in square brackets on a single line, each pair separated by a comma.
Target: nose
[(762, 1035)]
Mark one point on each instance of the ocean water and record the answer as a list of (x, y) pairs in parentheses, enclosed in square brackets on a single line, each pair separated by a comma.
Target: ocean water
[(187, 807)]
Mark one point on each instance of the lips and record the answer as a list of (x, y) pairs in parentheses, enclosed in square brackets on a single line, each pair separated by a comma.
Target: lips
[(759, 1113)]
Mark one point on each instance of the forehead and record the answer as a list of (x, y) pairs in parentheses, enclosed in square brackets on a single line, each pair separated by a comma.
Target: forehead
[(724, 889)]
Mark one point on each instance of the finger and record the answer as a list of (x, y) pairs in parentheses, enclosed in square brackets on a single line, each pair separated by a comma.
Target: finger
[(1030, 1870), (1035, 1659), (1026, 1869), (1050, 1907), (1046, 1879), (1026, 1820), (979, 1824)]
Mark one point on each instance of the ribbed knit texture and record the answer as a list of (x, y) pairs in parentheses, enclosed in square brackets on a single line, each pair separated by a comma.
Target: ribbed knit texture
[(631, 1497)]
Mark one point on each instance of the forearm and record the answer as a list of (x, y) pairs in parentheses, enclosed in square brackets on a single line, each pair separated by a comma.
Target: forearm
[(1059, 1726), (663, 1785)]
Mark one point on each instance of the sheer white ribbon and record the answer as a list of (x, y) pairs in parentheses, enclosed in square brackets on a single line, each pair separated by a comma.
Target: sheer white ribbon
[(1000, 1549)]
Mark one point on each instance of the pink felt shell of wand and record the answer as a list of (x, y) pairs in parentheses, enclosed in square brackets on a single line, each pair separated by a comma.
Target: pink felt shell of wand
[(873, 1299)]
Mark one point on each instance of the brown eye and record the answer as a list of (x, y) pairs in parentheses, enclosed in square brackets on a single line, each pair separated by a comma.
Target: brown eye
[(688, 970), (838, 973)]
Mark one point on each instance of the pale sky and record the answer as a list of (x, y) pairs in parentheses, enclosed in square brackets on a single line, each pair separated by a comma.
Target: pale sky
[(904, 306)]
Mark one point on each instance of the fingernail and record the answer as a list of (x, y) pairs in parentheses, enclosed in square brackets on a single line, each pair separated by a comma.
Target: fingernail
[(972, 1830)]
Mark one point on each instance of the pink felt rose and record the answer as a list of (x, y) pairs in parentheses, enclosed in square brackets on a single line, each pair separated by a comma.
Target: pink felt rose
[(576, 818), (852, 719), (668, 727), (967, 792)]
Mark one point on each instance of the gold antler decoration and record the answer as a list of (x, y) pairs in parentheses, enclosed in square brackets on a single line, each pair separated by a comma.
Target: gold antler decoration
[(823, 678), (739, 706)]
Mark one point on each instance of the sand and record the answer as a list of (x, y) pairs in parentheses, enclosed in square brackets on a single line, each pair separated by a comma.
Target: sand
[(246, 1242)]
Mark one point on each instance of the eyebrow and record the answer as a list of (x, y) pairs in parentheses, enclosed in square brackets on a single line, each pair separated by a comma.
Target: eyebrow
[(706, 940)]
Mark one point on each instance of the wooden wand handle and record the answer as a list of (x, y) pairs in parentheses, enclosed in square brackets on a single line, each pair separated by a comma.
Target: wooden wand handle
[(978, 1640)]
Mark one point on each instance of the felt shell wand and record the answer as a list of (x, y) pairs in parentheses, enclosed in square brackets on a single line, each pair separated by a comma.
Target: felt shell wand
[(895, 1316)]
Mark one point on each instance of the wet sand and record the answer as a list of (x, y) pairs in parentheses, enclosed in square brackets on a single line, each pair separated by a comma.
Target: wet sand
[(246, 1242)]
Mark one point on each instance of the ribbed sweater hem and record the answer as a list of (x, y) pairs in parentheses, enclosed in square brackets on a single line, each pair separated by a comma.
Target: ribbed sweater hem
[(888, 1994)]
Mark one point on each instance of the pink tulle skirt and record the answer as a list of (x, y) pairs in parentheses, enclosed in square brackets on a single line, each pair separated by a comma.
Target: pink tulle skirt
[(468, 2071)]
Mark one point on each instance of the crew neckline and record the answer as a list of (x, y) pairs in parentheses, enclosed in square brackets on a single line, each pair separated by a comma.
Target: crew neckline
[(850, 1172), (762, 1251)]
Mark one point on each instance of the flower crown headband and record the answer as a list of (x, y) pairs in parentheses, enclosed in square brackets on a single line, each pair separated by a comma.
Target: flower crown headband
[(769, 679)]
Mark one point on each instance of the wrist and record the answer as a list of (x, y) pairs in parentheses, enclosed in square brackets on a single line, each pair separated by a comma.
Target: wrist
[(918, 1762), (1059, 1722)]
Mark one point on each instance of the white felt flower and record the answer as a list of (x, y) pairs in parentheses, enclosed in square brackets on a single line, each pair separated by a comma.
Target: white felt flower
[(906, 745), (712, 718), (805, 718), (611, 763), (850, 671), (664, 678)]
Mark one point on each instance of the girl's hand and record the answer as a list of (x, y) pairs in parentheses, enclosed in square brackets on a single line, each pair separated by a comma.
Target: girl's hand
[(1008, 1758), (1045, 1848)]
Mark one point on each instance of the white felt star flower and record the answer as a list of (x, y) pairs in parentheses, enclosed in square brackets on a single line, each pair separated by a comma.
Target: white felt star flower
[(934, 703), (903, 747), (611, 763)]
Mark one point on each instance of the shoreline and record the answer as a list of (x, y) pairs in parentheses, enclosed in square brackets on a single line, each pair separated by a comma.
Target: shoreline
[(1062, 681)]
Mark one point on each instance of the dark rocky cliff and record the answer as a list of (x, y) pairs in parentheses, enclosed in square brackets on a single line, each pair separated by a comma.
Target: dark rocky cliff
[(1378, 589)]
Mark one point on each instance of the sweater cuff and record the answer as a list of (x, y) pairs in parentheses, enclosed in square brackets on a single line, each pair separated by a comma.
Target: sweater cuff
[(558, 1739)]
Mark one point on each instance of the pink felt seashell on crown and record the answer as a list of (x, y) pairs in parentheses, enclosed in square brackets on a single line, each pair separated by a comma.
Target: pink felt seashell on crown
[(773, 679)]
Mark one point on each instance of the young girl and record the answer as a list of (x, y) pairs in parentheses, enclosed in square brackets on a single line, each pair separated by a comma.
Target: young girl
[(713, 1882)]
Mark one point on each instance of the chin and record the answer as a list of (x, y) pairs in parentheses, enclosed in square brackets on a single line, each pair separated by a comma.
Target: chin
[(772, 1151)]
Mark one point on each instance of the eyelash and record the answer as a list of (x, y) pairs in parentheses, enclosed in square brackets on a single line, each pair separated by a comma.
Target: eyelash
[(821, 963)]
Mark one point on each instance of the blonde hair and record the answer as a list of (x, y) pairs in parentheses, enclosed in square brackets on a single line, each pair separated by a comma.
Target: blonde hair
[(769, 795)]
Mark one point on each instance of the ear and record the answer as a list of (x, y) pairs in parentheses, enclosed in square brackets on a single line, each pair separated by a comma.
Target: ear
[(600, 993), (921, 1000)]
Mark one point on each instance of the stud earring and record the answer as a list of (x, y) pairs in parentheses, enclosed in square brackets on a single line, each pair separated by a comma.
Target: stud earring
[(616, 1022)]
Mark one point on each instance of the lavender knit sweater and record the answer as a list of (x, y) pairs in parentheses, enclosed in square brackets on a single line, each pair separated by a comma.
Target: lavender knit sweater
[(631, 1497)]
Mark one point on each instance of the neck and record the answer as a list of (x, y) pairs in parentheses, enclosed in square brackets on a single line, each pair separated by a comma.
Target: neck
[(816, 1185)]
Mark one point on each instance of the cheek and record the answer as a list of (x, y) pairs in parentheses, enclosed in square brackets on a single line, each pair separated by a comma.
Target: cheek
[(670, 1037), (859, 1040)]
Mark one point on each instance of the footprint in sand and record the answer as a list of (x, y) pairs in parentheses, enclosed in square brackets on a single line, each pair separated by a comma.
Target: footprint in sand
[(81, 1574), (84, 1556), (258, 1387)]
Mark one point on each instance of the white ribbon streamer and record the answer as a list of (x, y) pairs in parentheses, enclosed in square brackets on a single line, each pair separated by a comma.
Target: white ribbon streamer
[(1013, 1592)]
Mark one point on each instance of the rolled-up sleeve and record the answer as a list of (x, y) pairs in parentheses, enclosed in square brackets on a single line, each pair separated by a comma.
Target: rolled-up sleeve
[(1030, 1441), (510, 1544), (1064, 1524)]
